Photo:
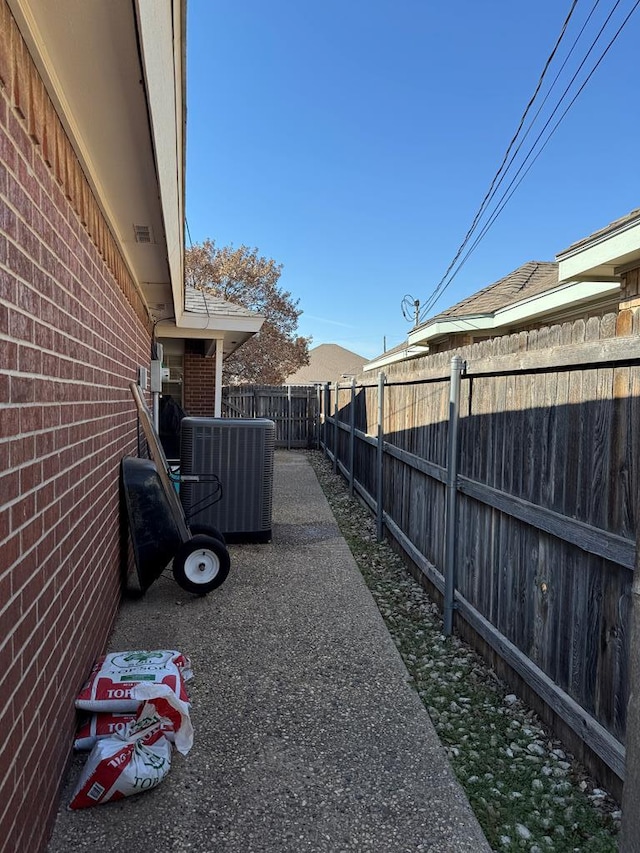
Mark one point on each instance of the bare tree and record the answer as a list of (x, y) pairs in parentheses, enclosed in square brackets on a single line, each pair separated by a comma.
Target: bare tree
[(242, 276)]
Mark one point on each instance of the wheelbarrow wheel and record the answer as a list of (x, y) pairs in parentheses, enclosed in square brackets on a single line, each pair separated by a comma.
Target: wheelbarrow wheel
[(207, 530), (201, 564)]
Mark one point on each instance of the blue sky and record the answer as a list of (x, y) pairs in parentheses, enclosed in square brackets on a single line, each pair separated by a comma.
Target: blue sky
[(354, 141)]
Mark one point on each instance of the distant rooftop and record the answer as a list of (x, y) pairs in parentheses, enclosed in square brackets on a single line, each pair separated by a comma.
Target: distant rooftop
[(327, 363)]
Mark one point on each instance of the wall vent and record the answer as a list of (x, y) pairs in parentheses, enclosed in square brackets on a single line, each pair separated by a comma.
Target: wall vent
[(142, 233)]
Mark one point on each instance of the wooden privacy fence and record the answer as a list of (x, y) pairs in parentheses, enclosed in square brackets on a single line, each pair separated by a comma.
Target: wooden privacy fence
[(293, 408), (509, 475)]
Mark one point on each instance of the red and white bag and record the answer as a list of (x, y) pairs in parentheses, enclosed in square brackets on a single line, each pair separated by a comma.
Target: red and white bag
[(97, 726), (115, 675), (140, 758)]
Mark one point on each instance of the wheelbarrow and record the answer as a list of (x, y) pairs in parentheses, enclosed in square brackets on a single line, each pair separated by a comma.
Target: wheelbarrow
[(159, 530)]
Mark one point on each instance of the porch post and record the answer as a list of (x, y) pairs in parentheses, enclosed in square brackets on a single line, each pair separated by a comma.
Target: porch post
[(217, 398)]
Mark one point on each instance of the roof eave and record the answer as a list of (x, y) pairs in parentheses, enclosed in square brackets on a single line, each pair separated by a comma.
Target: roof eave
[(604, 255)]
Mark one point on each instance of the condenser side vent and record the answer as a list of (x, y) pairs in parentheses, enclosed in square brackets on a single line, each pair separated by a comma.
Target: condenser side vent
[(240, 453)]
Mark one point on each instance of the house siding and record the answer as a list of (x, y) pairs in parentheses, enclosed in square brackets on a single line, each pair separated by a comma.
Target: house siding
[(73, 329)]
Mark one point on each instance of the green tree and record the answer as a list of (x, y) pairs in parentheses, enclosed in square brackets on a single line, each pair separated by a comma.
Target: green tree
[(242, 276)]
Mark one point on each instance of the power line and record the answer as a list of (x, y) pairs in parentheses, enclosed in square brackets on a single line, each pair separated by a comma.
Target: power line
[(488, 194), (505, 198), (504, 166)]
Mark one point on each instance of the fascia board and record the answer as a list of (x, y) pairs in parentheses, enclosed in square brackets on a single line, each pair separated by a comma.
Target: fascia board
[(471, 323), (409, 352), (571, 294), (604, 253), (220, 323), (159, 29)]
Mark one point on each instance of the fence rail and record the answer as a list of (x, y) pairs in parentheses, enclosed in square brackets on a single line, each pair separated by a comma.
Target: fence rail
[(533, 537)]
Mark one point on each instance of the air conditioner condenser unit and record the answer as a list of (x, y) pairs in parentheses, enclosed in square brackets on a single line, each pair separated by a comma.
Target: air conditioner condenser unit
[(240, 453)]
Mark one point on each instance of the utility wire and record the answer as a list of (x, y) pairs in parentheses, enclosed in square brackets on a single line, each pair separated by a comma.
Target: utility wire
[(551, 88), (488, 194), (506, 197), (447, 278)]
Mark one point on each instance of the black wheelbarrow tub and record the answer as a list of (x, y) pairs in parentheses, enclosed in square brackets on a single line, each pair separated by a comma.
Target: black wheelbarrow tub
[(155, 536)]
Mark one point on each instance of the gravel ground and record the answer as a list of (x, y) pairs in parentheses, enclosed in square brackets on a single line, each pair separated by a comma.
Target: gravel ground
[(527, 791)]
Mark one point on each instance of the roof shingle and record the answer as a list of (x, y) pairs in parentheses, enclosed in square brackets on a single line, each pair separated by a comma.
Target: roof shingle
[(530, 279)]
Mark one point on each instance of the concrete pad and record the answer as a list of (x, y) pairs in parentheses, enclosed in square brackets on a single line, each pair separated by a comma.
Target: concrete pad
[(308, 736)]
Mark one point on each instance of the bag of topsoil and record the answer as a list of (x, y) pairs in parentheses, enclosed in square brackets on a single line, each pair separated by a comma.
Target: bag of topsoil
[(95, 727), (114, 676), (139, 758)]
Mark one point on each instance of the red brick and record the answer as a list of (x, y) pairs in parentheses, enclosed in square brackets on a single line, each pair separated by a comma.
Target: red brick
[(8, 355), (22, 389), (9, 422), (10, 548), (21, 450), (30, 476), (10, 678), (31, 534), (19, 262), (31, 418), (22, 511)]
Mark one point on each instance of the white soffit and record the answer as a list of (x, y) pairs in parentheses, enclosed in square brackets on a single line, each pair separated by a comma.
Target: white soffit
[(160, 29), (88, 56)]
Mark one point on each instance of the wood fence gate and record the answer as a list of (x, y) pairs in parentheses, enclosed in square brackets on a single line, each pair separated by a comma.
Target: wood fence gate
[(293, 408)]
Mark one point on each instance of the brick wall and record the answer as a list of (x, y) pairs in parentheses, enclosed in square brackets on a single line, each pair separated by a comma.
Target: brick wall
[(73, 329), (199, 381)]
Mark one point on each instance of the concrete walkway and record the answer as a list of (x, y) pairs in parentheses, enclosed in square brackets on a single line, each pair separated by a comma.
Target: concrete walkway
[(308, 734)]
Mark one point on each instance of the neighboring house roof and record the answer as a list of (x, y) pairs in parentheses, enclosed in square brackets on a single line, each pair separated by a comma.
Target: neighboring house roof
[(585, 275), (327, 363), (529, 279), (606, 253), (525, 296), (403, 352), (612, 227)]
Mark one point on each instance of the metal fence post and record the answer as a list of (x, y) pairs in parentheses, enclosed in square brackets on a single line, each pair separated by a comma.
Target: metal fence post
[(380, 461), (335, 430), (352, 434), (317, 417), (452, 492), (325, 415)]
